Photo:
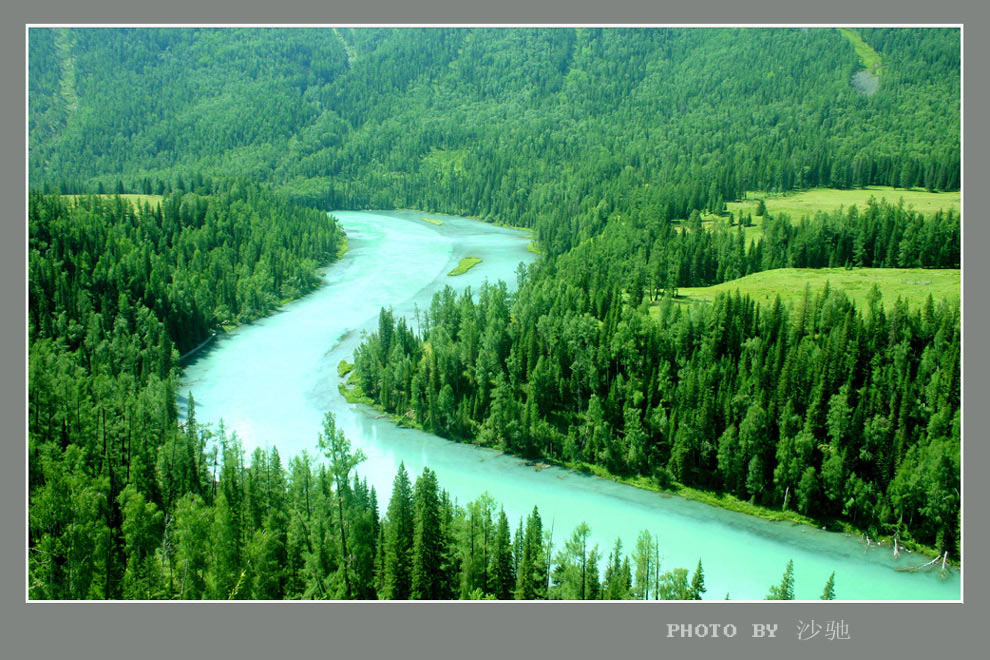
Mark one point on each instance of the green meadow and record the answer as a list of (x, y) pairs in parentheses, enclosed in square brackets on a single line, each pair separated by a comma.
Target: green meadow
[(869, 57), (809, 202), (911, 284), (136, 200)]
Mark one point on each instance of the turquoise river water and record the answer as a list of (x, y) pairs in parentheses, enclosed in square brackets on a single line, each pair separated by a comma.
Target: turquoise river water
[(273, 380)]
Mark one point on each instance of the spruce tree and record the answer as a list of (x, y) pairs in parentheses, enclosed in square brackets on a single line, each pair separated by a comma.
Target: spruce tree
[(784, 590), (698, 583), (829, 592), (397, 581), (503, 570), (428, 542), (532, 573)]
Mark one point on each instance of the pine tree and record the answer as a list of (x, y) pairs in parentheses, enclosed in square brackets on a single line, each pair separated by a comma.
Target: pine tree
[(697, 583), (784, 590), (398, 532), (829, 592), (503, 571), (531, 576), (429, 546)]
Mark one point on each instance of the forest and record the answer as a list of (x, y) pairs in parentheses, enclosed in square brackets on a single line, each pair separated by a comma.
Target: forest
[(833, 411), (180, 181)]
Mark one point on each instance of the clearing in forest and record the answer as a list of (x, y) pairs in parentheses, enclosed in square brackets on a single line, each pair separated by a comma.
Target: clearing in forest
[(912, 284), (809, 202), (135, 200), (869, 57)]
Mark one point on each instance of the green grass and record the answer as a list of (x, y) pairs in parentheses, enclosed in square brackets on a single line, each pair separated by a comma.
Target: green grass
[(809, 202), (752, 233), (135, 200), (911, 284), (432, 221), (869, 57), (466, 264), (344, 367), (352, 392)]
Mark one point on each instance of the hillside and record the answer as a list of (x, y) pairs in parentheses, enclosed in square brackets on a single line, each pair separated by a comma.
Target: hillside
[(504, 123)]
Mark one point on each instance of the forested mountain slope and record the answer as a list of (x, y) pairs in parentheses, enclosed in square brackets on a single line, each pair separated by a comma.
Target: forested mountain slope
[(504, 123)]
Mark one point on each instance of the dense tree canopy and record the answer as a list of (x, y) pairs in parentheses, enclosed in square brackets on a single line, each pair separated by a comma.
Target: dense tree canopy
[(518, 124), (613, 145), (824, 408)]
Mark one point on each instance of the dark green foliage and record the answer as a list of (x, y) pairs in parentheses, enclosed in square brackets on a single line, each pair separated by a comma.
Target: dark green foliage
[(503, 569), (557, 129), (531, 574), (829, 592), (784, 590), (115, 292), (399, 538), (598, 139), (814, 408), (697, 583), (431, 569)]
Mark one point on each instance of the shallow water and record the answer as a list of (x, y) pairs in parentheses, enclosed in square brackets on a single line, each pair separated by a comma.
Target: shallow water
[(273, 380)]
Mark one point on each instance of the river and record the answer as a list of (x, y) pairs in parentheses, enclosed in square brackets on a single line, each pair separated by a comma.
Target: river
[(272, 381)]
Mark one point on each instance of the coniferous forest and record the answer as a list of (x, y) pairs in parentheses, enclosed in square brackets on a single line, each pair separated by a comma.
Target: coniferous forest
[(179, 186)]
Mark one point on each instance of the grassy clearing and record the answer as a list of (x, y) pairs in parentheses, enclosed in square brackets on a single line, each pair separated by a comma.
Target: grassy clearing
[(344, 367), (135, 200), (432, 221), (911, 284), (869, 57), (466, 264), (809, 202)]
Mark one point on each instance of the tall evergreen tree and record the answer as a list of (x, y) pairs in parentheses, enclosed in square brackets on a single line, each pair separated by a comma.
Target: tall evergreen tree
[(784, 590), (399, 538)]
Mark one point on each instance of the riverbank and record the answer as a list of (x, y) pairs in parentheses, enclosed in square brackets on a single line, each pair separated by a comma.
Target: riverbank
[(352, 393)]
